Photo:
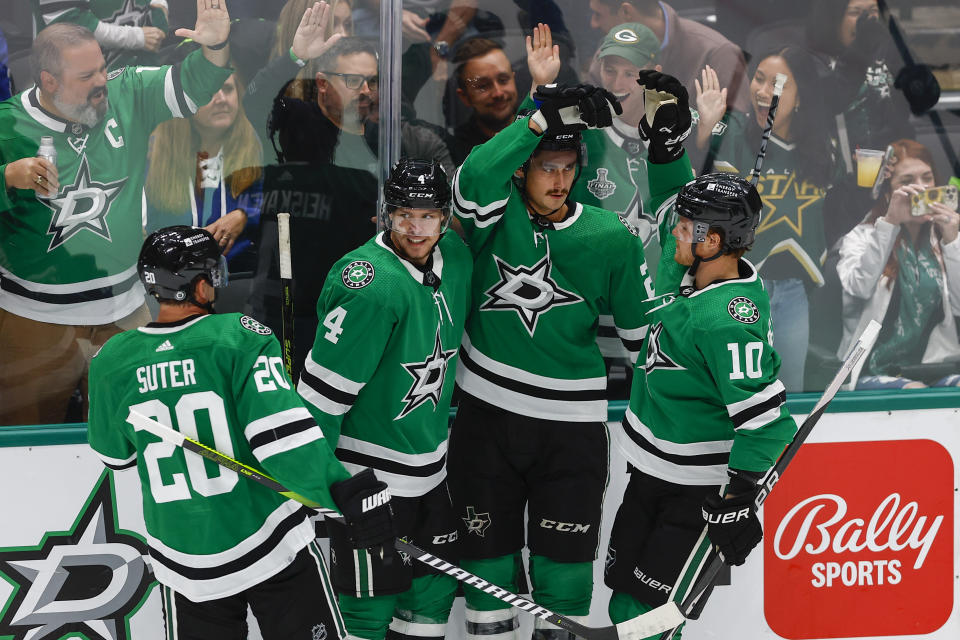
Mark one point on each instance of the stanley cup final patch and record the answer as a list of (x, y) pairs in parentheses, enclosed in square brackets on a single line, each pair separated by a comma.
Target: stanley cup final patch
[(601, 187), (357, 274), (743, 310)]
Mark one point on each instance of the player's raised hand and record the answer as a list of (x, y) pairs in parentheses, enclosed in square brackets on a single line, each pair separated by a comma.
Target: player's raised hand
[(575, 107), (310, 40), (666, 120), (213, 24), (543, 57)]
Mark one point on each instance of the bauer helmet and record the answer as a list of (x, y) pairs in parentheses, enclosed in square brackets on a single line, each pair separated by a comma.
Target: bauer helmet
[(173, 257), (724, 201), (416, 184)]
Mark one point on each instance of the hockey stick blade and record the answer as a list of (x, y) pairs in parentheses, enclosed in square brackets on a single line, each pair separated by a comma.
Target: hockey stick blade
[(693, 601), (650, 623)]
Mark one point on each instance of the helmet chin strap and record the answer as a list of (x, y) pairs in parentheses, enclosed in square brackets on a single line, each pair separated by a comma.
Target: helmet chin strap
[(697, 259), (206, 306)]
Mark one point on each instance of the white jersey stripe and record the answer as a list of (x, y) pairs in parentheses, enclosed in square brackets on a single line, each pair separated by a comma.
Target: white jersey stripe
[(170, 94), (761, 420), (275, 420), (660, 468), (505, 370), (286, 444), (761, 396), (332, 378), (321, 402)]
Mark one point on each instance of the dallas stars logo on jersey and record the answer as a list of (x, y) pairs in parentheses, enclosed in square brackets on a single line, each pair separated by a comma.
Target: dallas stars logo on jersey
[(428, 377), (656, 357), (530, 291), (82, 205)]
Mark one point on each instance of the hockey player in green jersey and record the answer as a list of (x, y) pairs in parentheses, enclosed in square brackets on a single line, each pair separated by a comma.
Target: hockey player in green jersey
[(707, 416), (68, 262), (530, 430), (379, 380), (129, 31), (217, 541)]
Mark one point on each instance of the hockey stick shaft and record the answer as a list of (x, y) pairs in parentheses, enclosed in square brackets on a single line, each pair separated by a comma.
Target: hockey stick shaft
[(779, 81), (651, 623), (708, 576), (286, 291)]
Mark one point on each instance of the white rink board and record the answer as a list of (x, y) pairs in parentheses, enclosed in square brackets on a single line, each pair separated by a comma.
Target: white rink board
[(46, 488)]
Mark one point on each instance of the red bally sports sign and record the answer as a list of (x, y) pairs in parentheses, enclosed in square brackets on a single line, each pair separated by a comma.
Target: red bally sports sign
[(859, 541)]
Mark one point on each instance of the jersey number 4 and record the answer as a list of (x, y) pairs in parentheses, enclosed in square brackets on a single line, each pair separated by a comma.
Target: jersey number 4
[(185, 410), (752, 356), (333, 321)]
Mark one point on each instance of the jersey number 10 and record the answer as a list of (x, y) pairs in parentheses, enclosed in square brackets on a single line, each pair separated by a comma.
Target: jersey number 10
[(752, 356)]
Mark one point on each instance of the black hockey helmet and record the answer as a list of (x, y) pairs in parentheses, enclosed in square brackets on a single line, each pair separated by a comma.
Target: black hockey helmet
[(416, 184), (173, 257), (724, 201)]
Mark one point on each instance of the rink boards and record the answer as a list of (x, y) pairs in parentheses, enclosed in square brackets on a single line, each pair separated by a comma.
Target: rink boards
[(860, 535)]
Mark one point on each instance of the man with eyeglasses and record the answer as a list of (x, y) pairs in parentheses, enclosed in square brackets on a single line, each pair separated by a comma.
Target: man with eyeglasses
[(485, 83), (529, 432)]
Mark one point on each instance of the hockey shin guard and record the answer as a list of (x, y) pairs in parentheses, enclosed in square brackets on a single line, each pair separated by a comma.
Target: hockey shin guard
[(422, 610), (487, 619)]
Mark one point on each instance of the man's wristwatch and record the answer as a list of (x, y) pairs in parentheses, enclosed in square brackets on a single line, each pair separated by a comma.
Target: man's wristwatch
[(442, 49)]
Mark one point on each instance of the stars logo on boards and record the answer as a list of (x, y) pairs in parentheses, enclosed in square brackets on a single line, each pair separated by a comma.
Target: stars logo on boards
[(428, 377), (84, 582), (529, 291), (656, 358), (82, 205), (476, 522)]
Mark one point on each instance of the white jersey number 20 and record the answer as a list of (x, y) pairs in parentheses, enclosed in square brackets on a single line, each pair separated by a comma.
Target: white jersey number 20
[(185, 410)]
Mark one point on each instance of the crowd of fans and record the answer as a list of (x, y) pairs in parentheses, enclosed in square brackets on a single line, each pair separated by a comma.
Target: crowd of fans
[(295, 128)]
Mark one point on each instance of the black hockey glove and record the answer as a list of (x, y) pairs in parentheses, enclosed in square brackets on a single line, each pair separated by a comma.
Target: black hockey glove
[(667, 103), (572, 108), (732, 523), (364, 502)]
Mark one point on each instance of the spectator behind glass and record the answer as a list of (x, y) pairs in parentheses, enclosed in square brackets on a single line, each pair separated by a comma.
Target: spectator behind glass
[(205, 172), (903, 271), (486, 84), (68, 264), (4, 69), (855, 54), (130, 32), (326, 173), (789, 244), (686, 46)]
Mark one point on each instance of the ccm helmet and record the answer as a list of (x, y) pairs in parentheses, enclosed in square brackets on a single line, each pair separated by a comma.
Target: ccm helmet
[(173, 257), (724, 201), (416, 184)]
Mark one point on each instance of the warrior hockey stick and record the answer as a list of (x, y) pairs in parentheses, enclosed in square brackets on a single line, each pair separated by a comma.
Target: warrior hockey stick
[(696, 598), (286, 291), (651, 623), (779, 80)]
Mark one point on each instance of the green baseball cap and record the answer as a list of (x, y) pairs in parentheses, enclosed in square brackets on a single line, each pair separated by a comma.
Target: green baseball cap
[(633, 42)]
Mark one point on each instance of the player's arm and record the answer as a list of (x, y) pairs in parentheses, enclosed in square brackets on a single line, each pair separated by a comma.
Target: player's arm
[(280, 431), (105, 432), (110, 36), (630, 287), (744, 366), (352, 334)]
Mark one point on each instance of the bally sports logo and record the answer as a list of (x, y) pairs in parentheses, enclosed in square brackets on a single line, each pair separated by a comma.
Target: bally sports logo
[(858, 534)]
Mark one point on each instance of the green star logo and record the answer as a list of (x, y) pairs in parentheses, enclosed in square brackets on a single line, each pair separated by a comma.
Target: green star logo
[(743, 310), (357, 274)]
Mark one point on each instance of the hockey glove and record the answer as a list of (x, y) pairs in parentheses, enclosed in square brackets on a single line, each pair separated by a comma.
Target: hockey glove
[(572, 108), (666, 120), (364, 502), (732, 522)]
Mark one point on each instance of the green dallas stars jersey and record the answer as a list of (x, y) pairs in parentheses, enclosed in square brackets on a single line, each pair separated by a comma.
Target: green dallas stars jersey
[(538, 291), (89, 13), (376, 378), (72, 259), (790, 241), (707, 395), (218, 379)]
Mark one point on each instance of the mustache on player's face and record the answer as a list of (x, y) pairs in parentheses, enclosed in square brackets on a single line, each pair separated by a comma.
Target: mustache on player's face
[(97, 92)]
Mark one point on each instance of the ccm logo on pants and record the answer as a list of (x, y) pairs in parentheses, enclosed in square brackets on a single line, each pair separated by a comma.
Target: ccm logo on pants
[(564, 527), (376, 500)]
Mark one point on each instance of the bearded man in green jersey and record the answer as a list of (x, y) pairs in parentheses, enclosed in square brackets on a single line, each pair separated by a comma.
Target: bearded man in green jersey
[(71, 232), (219, 542), (707, 414), (378, 380)]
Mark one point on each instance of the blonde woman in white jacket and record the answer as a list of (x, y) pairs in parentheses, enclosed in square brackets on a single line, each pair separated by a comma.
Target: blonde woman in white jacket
[(903, 271)]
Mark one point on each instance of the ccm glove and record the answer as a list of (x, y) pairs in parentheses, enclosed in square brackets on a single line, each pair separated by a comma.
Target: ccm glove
[(732, 522), (572, 108), (666, 120), (364, 502)]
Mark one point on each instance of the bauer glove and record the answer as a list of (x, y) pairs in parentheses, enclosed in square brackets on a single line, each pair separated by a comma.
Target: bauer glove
[(666, 120), (732, 523), (364, 502), (572, 108)]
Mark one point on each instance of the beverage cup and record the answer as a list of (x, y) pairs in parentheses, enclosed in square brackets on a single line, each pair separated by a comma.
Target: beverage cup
[(868, 166)]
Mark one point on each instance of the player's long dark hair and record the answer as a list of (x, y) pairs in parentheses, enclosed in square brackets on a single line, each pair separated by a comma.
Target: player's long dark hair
[(809, 126)]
